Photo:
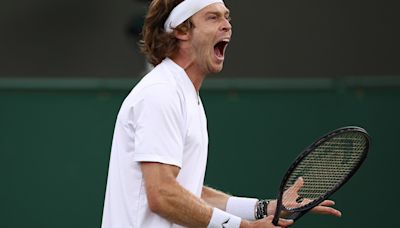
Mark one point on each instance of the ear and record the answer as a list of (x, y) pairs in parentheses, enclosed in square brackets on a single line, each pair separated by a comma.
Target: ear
[(181, 35)]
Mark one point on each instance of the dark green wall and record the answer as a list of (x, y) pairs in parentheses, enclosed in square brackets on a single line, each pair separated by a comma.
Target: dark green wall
[(55, 138), (270, 38)]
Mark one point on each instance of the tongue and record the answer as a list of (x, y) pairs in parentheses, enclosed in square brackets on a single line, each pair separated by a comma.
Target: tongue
[(218, 51)]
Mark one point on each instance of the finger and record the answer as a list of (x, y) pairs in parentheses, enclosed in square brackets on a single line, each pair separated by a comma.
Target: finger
[(269, 218), (298, 184), (281, 222), (327, 203), (306, 201), (285, 222), (326, 211)]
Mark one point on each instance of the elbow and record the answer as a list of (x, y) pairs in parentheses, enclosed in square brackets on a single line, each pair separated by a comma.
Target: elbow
[(155, 202), (158, 200)]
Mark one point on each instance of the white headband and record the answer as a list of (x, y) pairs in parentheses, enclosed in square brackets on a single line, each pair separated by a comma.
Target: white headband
[(184, 11)]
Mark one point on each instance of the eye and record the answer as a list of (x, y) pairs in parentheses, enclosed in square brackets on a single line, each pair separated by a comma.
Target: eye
[(212, 17)]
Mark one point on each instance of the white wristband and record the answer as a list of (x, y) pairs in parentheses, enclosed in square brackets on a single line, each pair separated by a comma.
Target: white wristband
[(242, 207), (221, 219)]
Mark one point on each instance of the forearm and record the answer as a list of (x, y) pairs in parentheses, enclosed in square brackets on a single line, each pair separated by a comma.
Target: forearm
[(180, 206), (215, 198), (239, 206), (167, 198)]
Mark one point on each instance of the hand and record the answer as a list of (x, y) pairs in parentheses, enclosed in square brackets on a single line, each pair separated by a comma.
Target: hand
[(266, 223), (290, 200), (325, 208)]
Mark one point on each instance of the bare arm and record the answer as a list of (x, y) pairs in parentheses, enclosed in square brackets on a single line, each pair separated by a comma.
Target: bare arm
[(215, 198), (170, 200)]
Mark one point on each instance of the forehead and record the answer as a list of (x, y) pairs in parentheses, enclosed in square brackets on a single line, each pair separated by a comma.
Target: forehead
[(214, 8)]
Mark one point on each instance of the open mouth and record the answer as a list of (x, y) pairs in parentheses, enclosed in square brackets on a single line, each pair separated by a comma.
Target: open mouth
[(219, 48)]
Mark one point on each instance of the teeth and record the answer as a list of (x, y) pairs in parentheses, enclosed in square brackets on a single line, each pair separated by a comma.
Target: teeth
[(226, 40)]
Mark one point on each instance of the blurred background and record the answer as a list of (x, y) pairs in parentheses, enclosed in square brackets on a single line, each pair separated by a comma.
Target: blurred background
[(294, 71)]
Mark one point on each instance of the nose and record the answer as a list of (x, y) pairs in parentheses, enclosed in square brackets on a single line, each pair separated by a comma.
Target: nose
[(226, 26)]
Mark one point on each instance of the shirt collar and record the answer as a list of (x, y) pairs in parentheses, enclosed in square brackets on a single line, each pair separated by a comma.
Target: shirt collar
[(180, 75)]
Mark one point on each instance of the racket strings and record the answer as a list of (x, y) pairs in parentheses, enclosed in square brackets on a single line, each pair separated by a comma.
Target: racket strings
[(324, 168)]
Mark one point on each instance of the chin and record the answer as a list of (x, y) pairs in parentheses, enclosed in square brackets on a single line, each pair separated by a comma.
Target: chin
[(216, 68)]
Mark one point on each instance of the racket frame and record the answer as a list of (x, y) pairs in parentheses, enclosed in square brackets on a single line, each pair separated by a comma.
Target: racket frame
[(298, 212)]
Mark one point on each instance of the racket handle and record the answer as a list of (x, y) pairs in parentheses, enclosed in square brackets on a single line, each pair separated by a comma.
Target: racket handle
[(275, 220)]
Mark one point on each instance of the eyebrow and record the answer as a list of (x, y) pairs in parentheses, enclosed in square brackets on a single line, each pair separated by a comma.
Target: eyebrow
[(227, 12)]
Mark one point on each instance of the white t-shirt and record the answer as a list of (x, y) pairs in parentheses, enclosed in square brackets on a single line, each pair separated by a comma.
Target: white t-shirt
[(161, 120)]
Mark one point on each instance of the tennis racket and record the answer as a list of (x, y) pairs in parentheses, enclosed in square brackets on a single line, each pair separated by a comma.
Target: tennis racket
[(322, 169)]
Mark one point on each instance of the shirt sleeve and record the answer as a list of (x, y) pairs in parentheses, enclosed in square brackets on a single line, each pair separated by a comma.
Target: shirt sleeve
[(159, 126)]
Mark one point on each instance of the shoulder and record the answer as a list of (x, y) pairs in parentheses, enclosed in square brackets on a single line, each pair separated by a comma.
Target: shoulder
[(157, 83), (154, 96), (160, 93), (158, 90), (162, 83)]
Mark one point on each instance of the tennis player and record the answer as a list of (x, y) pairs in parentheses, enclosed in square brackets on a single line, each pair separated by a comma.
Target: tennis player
[(159, 149)]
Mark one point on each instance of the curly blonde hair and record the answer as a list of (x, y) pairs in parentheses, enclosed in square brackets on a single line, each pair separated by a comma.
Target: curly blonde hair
[(157, 44)]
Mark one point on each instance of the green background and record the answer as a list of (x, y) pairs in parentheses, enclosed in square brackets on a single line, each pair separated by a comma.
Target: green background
[(55, 138)]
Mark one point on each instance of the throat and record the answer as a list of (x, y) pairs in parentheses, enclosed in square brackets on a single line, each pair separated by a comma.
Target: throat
[(218, 52), (219, 49)]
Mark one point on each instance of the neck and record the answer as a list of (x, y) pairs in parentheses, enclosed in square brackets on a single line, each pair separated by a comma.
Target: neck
[(192, 70)]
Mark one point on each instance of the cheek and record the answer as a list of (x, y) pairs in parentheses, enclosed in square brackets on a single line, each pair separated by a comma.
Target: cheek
[(205, 37), (202, 46), (203, 43)]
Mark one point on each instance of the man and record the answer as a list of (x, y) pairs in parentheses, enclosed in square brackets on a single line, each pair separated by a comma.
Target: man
[(159, 149)]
